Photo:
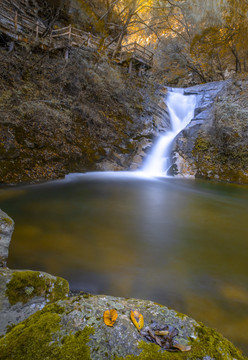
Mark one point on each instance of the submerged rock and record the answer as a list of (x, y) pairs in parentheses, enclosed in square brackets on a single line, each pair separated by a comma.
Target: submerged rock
[(6, 230), (22, 293), (74, 329)]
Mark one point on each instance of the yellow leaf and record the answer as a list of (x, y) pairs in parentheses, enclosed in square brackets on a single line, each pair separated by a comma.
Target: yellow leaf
[(109, 317), (137, 319)]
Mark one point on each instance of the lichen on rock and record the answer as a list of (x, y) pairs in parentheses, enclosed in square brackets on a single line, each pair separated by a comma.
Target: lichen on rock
[(22, 293), (74, 329), (40, 337)]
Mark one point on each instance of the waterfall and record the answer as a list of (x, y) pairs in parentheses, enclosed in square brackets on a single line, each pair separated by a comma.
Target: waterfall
[(181, 110)]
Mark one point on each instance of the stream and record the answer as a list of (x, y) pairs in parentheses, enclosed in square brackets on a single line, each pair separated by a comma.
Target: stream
[(180, 242)]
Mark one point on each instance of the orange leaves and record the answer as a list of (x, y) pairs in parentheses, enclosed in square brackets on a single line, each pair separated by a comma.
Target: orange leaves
[(137, 319), (109, 317)]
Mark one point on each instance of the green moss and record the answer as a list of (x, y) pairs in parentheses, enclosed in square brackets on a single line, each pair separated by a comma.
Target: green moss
[(7, 220), (214, 344), (24, 285), (40, 337), (180, 315), (74, 346), (202, 144), (30, 339), (209, 343)]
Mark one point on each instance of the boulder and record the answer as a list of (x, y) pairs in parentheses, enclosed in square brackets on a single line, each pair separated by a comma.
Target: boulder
[(22, 293), (6, 230), (74, 329)]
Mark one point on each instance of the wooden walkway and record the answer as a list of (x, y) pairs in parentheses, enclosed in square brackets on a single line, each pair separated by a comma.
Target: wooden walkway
[(25, 28)]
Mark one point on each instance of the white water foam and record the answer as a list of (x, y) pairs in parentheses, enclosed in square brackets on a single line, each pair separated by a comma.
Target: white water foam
[(181, 110)]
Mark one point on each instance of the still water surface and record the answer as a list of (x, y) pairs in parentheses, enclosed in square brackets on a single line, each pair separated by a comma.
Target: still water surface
[(177, 242)]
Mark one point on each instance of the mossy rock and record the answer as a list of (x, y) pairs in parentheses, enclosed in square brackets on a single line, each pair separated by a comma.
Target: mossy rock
[(6, 230), (22, 293), (74, 328), (41, 337)]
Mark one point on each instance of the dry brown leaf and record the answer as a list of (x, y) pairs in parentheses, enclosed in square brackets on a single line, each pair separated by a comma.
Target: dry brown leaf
[(137, 319), (181, 347), (158, 340), (161, 333), (109, 317)]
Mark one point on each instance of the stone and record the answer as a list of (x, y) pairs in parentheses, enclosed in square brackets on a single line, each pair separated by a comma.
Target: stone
[(22, 293), (214, 144), (74, 329), (6, 230)]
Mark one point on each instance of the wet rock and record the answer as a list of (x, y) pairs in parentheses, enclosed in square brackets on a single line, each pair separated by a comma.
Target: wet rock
[(74, 328), (214, 144), (22, 293), (6, 230)]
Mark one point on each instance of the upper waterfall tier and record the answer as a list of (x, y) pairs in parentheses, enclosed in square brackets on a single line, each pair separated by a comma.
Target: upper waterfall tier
[(181, 109)]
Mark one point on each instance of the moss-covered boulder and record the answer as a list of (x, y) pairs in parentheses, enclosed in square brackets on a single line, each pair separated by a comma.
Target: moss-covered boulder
[(6, 230), (75, 329), (22, 293)]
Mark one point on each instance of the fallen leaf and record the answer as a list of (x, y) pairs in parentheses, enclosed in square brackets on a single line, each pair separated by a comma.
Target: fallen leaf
[(109, 317), (181, 347), (151, 334), (161, 333), (159, 341), (137, 319)]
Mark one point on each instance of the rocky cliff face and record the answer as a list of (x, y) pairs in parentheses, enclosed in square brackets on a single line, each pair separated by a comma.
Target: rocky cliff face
[(86, 114), (214, 144)]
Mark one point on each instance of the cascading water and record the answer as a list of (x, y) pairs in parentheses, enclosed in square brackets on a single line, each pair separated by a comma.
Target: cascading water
[(181, 110)]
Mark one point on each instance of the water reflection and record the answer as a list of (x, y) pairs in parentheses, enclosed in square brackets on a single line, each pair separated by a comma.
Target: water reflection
[(180, 243)]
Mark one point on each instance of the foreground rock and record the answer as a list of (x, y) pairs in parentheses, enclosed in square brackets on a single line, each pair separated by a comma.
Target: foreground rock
[(22, 293), (6, 230), (74, 329), (214, 144)]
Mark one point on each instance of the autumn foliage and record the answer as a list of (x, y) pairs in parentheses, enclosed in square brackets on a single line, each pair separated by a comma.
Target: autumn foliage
[(110, 317), (193, 40)]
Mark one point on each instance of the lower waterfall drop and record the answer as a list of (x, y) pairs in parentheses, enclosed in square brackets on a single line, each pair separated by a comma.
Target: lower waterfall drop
[(181, 110)]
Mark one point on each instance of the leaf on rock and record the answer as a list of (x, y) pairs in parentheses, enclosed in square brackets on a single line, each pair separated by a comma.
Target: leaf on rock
[(110, 316), (137, 319), (161, 333), (181, 347), (164, 336)]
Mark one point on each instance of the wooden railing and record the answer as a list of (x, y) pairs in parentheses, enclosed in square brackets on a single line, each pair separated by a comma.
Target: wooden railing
[(138, 52), (76, 37), (26, 28), (15, 24)]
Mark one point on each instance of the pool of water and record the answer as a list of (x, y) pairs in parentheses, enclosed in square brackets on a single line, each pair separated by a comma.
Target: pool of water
[(182, 243)]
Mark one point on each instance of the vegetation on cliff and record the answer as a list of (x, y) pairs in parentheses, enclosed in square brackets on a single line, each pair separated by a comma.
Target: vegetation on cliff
[(84, 112), (58, 117)]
